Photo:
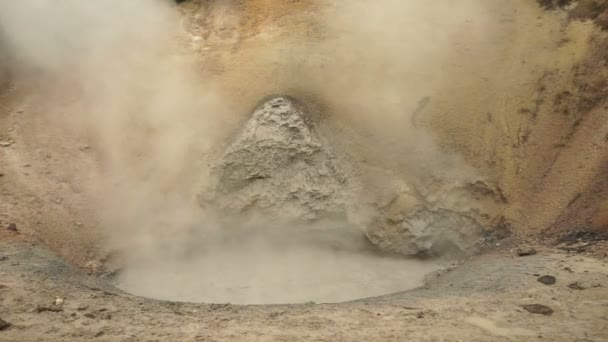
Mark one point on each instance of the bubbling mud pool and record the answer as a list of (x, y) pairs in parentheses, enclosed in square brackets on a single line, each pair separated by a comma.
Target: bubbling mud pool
[(272, 266)]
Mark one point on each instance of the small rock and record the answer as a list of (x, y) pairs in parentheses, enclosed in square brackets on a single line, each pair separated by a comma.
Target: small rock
[(12, 227), (538, 309), (576, 286), (94, 267), (5, 143), (525, 251), (100, 333), (4, 324), (48, 308), (547, 280), (59, 301), (215, 307)]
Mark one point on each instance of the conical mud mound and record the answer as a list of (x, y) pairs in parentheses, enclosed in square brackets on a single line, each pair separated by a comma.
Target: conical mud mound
[(279, 165)]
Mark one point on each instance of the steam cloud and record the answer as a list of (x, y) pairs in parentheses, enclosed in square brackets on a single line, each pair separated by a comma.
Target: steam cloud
[(155, 122)]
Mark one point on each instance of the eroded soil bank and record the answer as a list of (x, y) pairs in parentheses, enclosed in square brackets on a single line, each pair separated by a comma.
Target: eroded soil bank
[(488, 115)]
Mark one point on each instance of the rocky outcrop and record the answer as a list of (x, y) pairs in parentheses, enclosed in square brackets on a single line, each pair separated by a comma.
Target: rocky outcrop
[(280, 167), (426, 232)]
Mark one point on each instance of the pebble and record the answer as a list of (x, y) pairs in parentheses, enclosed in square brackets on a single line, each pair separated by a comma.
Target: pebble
[(576, 286), (538, 309), (547, 280), (12, 227), (526, 251)]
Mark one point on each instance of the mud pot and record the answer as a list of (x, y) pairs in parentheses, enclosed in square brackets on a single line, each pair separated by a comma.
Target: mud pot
[(311, 170), (259, 268)]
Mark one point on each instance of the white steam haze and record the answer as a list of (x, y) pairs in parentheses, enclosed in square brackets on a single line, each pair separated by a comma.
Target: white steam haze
[(117, 72)]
